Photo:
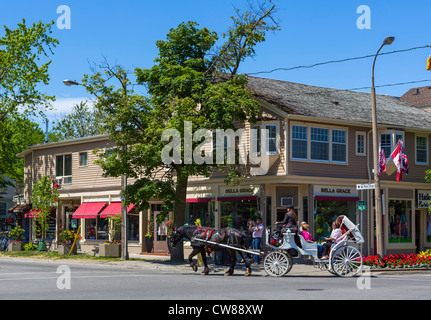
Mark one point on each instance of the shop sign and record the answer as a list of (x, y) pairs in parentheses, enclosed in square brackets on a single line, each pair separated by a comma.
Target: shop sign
[(335, 191), (423, 198), (239, 191)]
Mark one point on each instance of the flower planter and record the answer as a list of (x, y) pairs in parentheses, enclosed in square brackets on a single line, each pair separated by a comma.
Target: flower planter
[(14, 246), (149, 244), (112, 250), (64, 250)]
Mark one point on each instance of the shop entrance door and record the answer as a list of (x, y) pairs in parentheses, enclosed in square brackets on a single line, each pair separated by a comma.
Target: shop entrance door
[(160, 235)]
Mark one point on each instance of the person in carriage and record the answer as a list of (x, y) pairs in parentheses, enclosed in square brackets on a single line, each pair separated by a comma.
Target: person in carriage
[(290, 221), (335, 237)]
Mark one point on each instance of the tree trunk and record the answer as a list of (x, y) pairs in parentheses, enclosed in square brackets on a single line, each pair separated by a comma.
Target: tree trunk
[(177, 253)]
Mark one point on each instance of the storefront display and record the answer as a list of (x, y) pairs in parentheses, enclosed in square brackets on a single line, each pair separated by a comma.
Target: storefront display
[(200, 213), (400, 214)]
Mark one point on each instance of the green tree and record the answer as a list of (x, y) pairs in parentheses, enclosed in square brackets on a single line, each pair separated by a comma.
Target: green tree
[(16, 134), (82, 122), (23, 68), (43, 198), (184, 86)]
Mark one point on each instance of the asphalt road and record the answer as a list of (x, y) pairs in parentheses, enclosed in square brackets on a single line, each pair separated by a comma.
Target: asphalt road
[(54, 280)]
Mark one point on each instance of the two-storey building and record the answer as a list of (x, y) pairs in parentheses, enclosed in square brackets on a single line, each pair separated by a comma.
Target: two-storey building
[(319, 147)]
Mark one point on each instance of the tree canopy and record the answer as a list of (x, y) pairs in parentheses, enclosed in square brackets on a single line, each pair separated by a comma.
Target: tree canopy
[(188, 85)]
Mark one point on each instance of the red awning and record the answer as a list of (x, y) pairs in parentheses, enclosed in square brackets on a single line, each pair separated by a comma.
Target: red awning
[(190, 200), (236, 198), (114, 208), (88, 210), (32, 213), (329, 198)]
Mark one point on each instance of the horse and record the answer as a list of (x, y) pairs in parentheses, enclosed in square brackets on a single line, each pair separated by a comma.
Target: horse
[(227, 236)]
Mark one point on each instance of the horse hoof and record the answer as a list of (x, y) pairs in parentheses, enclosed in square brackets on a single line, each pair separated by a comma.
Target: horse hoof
[(228, 274), (204, 273), (195, 268), (248, 272)]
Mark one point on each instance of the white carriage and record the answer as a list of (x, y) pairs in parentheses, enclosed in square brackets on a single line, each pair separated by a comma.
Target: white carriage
[(345, 257)]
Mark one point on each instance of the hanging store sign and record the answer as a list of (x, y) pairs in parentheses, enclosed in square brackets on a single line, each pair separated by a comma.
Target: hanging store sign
[(423, 199), (335, 191)]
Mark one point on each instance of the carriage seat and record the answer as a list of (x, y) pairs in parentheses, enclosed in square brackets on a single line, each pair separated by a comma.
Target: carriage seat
[(307, 246)]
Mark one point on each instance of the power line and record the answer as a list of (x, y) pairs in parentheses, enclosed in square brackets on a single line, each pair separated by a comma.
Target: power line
[(390, 85), (338, 61)]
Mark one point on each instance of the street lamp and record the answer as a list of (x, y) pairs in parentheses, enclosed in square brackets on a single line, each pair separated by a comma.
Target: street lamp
[(377, 194), (69, 83)]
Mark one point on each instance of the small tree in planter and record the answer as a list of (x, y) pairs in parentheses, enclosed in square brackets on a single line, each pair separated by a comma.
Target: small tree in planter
[(149, 236), (44, 197), (112, 248), (16, 236), (67, 237)]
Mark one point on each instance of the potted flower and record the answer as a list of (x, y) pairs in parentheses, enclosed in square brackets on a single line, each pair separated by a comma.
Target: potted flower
[(112, 248), (16, 236), (170, 227), (149, 236), (67, 237)]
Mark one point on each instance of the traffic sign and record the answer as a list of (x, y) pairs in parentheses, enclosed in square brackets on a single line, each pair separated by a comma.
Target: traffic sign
[(365, 186), (362, 205)]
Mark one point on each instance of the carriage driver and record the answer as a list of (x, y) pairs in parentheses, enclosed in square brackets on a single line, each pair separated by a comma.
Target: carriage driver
[(290, 221)]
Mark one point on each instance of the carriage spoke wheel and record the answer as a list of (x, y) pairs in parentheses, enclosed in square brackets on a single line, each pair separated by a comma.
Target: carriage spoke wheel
[(277, 263), (346, 261)]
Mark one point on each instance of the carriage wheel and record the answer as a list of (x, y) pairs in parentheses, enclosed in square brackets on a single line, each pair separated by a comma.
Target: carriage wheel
[(277, 263), (346, 261)]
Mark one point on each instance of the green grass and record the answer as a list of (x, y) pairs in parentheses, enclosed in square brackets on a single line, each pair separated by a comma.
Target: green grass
[(53, 255)]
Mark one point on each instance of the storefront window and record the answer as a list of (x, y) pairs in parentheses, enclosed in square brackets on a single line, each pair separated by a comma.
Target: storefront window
[(236, 214), (96, 229), (328, 211), (133, 227), (400, 214), (202, 211)]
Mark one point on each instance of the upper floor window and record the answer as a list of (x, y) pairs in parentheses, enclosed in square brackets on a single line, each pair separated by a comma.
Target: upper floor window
[(360, 144), (389, 141), (319, 144), (271, 138), (421, 150), (83, 159), (63, 168)]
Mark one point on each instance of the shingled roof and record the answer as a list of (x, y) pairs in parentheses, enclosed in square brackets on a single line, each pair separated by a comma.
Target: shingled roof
[(328, 103), (418, 97)]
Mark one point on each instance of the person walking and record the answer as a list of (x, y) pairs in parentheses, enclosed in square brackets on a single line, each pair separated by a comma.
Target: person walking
[(257, 230)]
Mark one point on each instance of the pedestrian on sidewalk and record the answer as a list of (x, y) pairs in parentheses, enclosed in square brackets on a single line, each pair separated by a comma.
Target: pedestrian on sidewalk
[(257, 230)]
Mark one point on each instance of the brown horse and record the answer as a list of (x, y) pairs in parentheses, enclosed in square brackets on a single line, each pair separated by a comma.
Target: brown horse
[(227, 236)]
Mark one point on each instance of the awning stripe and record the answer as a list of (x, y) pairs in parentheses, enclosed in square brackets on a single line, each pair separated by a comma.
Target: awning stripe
[(191, 200), (114, 208), (88, 210)]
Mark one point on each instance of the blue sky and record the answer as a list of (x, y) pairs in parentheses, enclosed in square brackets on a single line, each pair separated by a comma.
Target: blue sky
[(311, 31)]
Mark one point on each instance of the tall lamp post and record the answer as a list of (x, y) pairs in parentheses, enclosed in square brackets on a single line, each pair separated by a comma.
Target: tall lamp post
[(125, 251), (377, 194)]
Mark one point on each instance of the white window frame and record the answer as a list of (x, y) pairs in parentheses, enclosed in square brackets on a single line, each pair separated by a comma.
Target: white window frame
[(330, 143), (357, 135), (306, 141), (64, 179), (426, 150), (80, 163), (394, 140), (277, 148)]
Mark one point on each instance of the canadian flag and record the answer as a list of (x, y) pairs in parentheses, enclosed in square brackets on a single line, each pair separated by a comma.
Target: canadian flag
[(400, 160), (382, 160)]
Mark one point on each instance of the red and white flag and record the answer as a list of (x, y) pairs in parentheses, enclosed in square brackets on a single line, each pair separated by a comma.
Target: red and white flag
[(399, 157), (382, 160)]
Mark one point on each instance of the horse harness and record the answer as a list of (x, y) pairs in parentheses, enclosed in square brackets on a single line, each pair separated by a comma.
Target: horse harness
[(207, 235)]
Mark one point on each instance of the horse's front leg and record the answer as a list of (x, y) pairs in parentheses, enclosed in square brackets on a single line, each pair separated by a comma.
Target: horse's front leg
[(232, 264), (195, 251)]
